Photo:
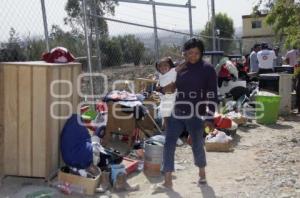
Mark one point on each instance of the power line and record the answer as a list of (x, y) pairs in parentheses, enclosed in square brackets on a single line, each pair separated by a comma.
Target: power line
[(158, 28), (151, 2), (159, 13)]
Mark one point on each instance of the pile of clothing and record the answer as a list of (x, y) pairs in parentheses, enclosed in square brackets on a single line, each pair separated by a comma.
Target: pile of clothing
[(217, 136)]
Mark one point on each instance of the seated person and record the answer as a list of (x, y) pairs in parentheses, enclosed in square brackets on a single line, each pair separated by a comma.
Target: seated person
[(226, 71), (79, 150)]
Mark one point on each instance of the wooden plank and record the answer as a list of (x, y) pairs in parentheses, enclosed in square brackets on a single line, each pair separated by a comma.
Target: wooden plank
[(1, 119), (39, 111), (53, 123), (10, 120), (1, 97), (76, 70), (24, 121), (65, 74)]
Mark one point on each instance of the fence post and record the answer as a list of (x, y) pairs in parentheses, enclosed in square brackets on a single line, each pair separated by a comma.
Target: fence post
[(213, 24), (241, 46), (98, 51), (190, 18), (156, 47), (45, 25), (87, 42)]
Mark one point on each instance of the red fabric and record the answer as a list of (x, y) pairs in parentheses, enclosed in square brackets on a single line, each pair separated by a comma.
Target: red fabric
[(101, 107), (58, 55), (222, 122), (224, 73)]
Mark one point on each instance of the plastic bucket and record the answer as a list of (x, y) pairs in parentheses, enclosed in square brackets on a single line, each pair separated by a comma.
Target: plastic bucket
[(271, 106), (153, 158)]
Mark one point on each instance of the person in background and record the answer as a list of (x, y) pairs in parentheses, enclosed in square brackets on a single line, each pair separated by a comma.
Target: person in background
[(278, 60), (253, 58), (246, 63), (292, 56), (196, 100), (297, 77), (265, 59)]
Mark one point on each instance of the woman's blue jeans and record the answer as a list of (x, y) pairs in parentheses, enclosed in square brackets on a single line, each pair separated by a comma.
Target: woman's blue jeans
[(175, 127)]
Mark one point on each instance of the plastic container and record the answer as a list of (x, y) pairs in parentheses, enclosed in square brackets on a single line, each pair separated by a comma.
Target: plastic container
[(271, 108), (153, 158)]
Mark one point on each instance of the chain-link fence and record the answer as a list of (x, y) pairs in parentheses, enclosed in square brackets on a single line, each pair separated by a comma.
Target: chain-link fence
[(23, 34)]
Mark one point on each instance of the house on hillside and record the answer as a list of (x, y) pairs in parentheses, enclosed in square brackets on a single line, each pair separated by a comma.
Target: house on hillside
[(256, 30)]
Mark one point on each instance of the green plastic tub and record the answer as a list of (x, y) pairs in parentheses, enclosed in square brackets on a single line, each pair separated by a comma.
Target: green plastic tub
[(271, 109)]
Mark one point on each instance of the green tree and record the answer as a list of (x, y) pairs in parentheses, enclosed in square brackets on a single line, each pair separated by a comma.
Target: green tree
[(226, 30), (284, 16), (35, 48), (72, 40), (133, 49), (12, 50), (99, 7), (111, 52)]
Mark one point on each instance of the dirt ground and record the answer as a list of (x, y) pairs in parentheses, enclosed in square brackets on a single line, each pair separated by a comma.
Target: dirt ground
[(265, 162)]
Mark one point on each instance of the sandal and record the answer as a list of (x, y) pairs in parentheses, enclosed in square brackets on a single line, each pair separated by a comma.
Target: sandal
[(202, 180), (160, 188)]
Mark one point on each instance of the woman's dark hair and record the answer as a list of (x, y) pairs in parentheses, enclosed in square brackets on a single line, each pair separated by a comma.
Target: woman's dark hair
[(264, 46), (192, 43), (166, 59)]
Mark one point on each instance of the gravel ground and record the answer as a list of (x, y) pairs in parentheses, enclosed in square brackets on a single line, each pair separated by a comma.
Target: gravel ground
[(265, 163)]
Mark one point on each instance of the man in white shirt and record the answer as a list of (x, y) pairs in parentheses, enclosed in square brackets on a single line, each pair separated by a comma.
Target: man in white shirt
[(292, 56), (253, 58), (265, 59)]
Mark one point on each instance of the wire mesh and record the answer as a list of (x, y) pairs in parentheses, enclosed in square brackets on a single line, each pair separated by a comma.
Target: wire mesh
[(119, 43)]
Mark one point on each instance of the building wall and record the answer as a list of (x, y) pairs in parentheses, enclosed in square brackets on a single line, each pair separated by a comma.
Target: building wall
[(253, 35), (249, 31)]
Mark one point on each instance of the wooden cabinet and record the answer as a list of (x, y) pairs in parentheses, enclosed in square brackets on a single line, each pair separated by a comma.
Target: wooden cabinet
[(27, 99)]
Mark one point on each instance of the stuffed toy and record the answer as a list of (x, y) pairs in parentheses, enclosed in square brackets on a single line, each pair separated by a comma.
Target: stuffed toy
[(58, 55)]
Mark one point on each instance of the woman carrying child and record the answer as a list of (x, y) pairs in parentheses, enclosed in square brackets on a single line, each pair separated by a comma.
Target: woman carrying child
[(195, 104)]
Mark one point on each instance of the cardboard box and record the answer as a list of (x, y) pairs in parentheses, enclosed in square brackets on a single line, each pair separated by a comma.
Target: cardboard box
[(240, 120), (218, 147), (89, 184)]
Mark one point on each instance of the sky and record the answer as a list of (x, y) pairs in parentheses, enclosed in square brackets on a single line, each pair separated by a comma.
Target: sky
[(26, 16)]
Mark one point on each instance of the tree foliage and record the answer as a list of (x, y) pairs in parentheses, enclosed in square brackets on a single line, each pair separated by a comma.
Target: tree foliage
[(132, 48), (98, 7), (12, 50), (224, 24), (111, 52), (72, 40), (284, 16)]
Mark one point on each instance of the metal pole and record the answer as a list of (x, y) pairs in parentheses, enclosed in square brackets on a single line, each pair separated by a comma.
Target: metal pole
[(87, 42), (208, 14), (97, 37), (156, 3), (240, 46), (156, 47), (190, 18), (45, 25), (213, 25)]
